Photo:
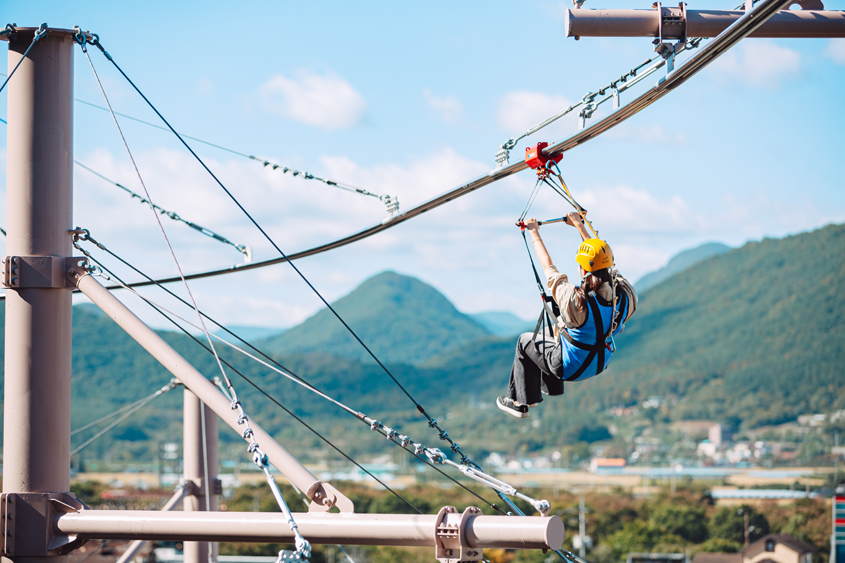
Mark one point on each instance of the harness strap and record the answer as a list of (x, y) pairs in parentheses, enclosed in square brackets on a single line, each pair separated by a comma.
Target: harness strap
[(598, 348)]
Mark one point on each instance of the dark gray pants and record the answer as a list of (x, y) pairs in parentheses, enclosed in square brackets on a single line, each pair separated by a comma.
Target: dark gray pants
[(535, 371)]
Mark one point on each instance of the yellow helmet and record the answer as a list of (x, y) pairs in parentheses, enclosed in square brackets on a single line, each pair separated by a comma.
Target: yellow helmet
[(594, 254)]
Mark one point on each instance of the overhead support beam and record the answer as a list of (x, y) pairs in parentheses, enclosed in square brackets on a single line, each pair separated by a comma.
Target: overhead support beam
[(476, 530), (700, 58), (322, 495), (133, 549), (699, 23)]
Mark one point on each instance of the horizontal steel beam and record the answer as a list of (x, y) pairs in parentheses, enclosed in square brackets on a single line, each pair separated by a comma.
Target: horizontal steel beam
[(703, 56), (504, 532), (699, 23), (323, 495)]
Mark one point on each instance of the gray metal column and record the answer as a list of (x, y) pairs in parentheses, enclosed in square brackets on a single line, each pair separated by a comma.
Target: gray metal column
[(194, 468), (36, 431)]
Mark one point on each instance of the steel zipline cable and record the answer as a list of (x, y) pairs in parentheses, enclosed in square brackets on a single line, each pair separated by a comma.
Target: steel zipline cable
[(431, 421), (303, 547), (138, 406), (242, 248), (712, 50), (9, 31), (390, 202), (745, 25), (280, 369)]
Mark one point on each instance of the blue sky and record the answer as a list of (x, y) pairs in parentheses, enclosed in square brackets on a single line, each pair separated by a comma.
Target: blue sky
[(411, 100)]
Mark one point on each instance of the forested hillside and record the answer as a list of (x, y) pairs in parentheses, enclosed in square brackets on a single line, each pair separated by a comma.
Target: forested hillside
[(400, 318), (751, 337)]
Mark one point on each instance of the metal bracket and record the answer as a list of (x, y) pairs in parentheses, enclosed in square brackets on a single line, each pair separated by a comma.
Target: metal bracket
[(46, 272), (502, 157), (327, 498), (26, 524), (670, 20), (450, 543)]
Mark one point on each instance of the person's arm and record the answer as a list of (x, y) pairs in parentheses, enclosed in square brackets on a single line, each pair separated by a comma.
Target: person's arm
[(576, 221), (539, 246)]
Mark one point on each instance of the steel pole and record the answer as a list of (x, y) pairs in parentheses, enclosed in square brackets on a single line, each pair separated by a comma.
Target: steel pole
[(699, 23), (199, 455), (193, 380), (504, 532), (36, 431)]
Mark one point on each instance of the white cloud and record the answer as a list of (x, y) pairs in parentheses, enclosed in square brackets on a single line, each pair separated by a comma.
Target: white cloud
[(449, 108), (326, 101), (836, 50), (627, 210), (759, 62), (520, 110)]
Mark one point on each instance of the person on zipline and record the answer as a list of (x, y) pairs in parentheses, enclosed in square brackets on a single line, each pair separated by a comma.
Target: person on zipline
[(544, 361)]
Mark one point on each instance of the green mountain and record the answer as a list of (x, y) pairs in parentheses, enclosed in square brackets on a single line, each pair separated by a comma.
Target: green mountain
[(400, 318), (755, 334), (502, 323), (751, 337), (681, 262)]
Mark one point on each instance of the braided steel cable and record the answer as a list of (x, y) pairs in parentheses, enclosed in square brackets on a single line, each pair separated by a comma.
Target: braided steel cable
[(242, 248), (10, 31), (432, 422), (303, 547), (419, 451)]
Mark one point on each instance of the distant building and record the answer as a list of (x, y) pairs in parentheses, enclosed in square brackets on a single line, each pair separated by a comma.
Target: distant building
[(606, 463), (774, 548), (718, 434), (706, 448)]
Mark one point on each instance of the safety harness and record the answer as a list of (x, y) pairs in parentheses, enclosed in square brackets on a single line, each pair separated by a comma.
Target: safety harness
[(547, 169), (604, 340)]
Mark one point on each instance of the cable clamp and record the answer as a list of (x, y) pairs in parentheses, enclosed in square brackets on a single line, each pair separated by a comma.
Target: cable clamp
[(502, 156), (9, 30), (404, 440), (418, 449), (374, 425), (42, 31)]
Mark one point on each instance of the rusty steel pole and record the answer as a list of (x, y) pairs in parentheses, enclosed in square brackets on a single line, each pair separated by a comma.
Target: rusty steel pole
[(36, 430), (199, 455)]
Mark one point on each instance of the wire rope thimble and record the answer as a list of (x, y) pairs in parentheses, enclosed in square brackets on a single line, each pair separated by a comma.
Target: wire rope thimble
[(79, 37)]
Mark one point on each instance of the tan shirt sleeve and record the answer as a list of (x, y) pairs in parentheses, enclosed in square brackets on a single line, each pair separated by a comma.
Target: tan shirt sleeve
[(563, 292)]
